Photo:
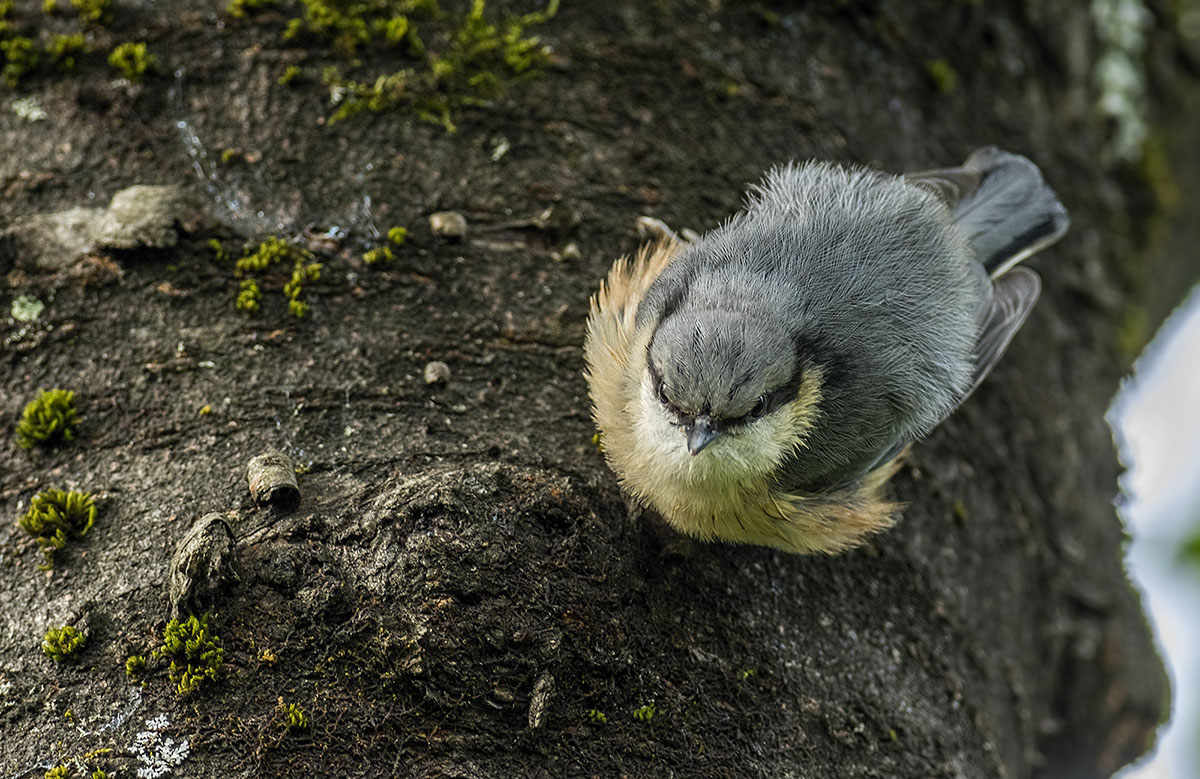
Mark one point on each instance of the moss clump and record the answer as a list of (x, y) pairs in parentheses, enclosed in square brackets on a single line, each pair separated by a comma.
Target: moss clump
[(351, 24), (266, 254), (271, 251), (240, 9), (597, 717), (290, 74), (63, 50), (54, 517), (944, 76), (397, 236), (645, 713), (132, 60), (291, 716), (135, 667), (472, 61), (57, 772), (382, 254), (62, 642), (302, 273), (20, 58), (95, 12), (48, 419), (249, 297), (218, 249), (194, 651)]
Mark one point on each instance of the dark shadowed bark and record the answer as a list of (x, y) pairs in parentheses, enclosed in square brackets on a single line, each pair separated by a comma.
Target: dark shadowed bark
[(462, 590)]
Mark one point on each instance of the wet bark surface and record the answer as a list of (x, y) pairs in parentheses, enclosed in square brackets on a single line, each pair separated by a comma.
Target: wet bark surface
[(462, 590)]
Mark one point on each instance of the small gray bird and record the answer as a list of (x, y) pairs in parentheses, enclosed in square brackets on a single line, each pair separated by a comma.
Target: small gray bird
[(760, 384)]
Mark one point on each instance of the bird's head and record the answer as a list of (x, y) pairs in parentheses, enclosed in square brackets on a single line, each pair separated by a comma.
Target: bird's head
[(733, 382)]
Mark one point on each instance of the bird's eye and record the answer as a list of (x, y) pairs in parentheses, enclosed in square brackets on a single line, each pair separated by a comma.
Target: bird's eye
[(760, 406), (662, 393)]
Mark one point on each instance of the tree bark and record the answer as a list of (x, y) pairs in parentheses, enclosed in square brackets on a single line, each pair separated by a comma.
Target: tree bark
[(462, 590)]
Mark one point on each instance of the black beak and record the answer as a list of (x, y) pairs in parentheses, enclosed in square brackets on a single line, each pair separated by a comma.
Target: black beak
[(700, 434)]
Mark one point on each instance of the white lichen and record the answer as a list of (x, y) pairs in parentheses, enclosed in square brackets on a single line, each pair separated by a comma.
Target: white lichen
[(1120, 74), (157, 753), (26, 308), (29, 109)]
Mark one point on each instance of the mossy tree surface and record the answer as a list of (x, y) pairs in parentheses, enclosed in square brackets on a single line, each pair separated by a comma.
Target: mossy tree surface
[(462, 589)]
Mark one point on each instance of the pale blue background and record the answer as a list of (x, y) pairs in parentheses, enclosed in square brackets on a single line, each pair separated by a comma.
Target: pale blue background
[(1156, 421)]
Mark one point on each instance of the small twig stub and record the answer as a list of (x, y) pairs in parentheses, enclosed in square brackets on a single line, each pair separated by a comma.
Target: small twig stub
[(272, 480)]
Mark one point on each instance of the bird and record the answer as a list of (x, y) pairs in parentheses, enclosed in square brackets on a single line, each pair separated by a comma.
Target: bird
[(762, 383)]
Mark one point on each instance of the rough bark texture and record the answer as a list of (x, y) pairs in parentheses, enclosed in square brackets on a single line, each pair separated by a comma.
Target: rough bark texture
[(462, 590)]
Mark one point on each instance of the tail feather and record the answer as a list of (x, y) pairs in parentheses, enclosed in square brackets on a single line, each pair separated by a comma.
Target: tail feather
[(1012, 213), (1001, 203)]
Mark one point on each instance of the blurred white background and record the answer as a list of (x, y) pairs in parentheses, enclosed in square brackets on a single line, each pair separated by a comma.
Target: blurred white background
[(1156, 421)]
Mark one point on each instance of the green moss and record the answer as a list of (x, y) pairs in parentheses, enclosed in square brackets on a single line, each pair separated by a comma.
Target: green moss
[(597, 717), (379, 254), (98, 774), (62, 642), (240, 9), (63, 50), (944, 76), (194, 651), (96, 12), (265, 254), (20, 58), (218, 249), (396, 236), (132, 60), (344, 24), (269, 252), (303, 272), (54, 517), (473, 62), (289, 75), (291, 716), (135, 667), (1133, 331), (249, 297), (48, 419), (645, 713), (769, 17), (57, 772)]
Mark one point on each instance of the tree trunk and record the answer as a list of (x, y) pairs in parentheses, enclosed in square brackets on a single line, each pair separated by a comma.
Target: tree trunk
[(462, 590)]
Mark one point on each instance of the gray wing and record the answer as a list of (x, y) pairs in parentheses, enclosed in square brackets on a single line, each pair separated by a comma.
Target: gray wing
[(1013, 296)]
